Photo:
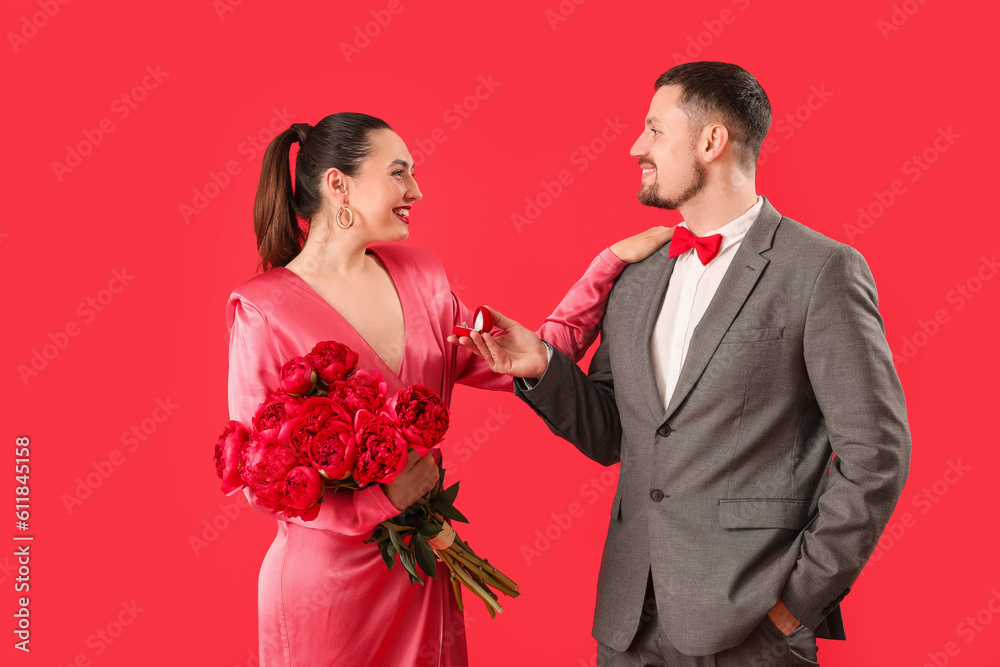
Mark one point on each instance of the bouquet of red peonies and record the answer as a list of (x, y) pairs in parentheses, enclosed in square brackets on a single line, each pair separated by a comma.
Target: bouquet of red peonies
[(328, 427)]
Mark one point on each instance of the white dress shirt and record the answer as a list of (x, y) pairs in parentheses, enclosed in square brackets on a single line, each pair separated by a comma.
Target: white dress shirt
[(691, 288)]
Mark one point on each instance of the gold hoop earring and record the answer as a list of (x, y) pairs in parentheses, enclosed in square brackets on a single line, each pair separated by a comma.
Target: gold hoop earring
[(349, 224)]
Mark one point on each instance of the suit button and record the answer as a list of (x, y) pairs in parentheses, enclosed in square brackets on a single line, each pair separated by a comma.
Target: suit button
[(664, 430), (656, 495)]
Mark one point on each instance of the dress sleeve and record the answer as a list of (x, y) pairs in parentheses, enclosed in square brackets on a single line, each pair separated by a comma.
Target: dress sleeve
[(571, 328), (254, 367)]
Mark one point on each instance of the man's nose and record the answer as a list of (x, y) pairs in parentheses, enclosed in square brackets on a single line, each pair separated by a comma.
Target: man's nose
[(638, 148)]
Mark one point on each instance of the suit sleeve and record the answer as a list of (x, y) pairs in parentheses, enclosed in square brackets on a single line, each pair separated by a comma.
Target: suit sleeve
[(571, 328), (254, 368), (858, 391), (578, 407)]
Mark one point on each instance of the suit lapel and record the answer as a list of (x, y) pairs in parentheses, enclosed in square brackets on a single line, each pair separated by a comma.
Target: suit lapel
[(743, 273), (652, 288), (741, 277)]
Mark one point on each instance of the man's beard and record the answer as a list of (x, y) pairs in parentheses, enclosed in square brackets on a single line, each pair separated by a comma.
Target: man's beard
[(648, 195)]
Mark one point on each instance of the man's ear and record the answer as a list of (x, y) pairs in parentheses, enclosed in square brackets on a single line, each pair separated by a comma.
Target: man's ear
[(713, 140)]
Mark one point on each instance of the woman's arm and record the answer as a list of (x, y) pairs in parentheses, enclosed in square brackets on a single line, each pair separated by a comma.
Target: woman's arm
[(254, 367), (574, 324), (571, 327)]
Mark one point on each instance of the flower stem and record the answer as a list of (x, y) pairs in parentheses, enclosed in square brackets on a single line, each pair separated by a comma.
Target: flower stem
[(485, 575), (464, 578)]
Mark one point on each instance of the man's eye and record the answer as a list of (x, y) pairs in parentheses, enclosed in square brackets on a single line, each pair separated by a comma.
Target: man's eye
[(398, 173), (654, 131)]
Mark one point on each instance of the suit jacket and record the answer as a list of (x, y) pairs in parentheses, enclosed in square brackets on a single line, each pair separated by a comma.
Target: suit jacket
[(777, 463)]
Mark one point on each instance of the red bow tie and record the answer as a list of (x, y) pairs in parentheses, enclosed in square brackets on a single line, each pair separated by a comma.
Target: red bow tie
[(683, 239)]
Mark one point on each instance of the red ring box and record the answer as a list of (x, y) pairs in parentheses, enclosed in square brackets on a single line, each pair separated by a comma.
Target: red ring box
[(483, 322)]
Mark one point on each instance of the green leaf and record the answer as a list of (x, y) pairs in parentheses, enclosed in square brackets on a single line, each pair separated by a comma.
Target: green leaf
[(428, 529), (389, 560), (425, 555), (448, 495), (397, 541), (396, 528), (391, 550), (375, 536), (440, 482), (450, 512), (389, 555), (406, 558)]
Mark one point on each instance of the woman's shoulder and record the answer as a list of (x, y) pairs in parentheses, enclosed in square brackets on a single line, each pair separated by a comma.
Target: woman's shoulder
[(259, 287), (259, 293)]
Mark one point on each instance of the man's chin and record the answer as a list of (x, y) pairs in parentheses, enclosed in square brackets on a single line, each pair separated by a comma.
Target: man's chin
[(648, 197)]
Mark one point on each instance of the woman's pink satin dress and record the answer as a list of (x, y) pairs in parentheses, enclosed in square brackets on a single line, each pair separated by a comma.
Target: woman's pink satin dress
[(324, 597)]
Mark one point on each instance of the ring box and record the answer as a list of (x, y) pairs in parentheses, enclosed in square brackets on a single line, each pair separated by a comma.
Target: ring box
[(482, 322)]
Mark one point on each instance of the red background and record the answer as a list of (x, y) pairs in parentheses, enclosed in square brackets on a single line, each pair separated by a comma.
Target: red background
[(893, 77)]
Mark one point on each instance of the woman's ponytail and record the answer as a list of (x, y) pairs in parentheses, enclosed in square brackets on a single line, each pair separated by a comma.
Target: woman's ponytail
[(279, 236)]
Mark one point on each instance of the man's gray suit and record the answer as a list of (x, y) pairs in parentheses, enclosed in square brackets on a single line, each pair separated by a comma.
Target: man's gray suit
[(733, 494)]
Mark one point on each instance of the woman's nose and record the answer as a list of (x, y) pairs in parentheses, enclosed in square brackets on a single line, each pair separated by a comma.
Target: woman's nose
[(414, 192)]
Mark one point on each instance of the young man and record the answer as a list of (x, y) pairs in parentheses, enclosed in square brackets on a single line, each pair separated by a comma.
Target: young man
[(744, 382)]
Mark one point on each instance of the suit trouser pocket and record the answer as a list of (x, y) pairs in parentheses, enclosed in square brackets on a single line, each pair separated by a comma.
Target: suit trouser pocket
[(800, 645)]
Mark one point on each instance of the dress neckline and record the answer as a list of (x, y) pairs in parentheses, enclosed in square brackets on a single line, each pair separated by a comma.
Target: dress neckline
[(301, 283)]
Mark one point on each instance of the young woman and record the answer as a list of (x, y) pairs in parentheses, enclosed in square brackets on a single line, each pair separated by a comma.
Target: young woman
[(325, 597)]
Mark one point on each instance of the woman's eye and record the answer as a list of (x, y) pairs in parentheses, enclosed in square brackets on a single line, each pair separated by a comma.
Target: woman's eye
[(398, 173)]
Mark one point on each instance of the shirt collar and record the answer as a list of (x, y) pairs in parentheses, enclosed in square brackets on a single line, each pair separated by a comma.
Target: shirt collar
[(734, 230)]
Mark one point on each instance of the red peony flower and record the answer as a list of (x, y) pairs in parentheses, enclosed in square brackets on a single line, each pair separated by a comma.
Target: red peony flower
[(303, 487), (318, 411), (278, 408), (322, 436), (248, 454), (365, 390), (298, 377), (228, 451), (422, 416), (332, 360), (265, 463), (381, 448), (333, 451), (271, 496)]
